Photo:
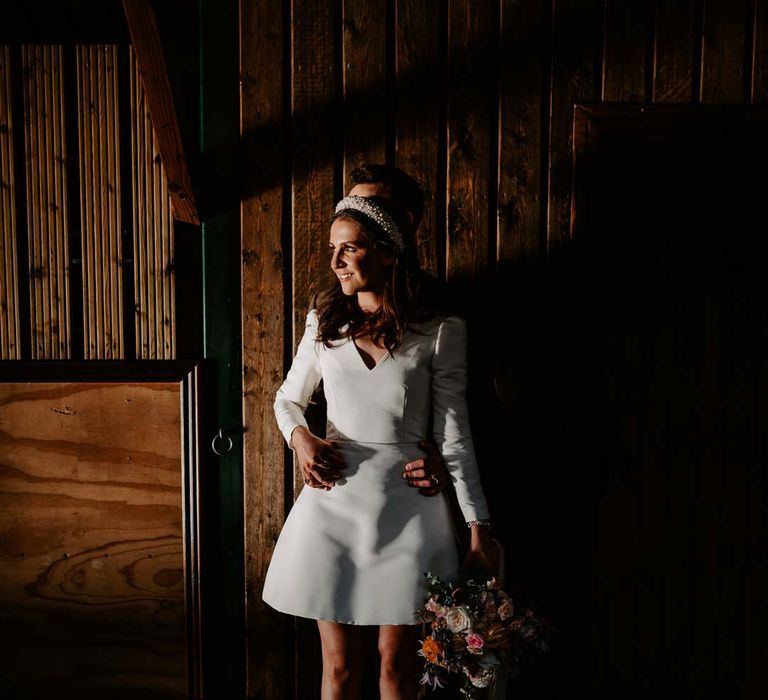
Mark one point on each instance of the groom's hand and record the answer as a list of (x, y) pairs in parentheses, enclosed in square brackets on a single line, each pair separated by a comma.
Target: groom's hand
[(419, 472)]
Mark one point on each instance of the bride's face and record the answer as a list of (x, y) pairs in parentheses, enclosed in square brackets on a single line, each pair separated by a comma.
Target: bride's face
[(358, 265)]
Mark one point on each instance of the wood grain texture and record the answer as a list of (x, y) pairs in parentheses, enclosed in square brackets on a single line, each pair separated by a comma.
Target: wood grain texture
[(268, 674), (10, 340), (315, 151), (624, 51), (152, 235), (100, 201), (462, 136), (722, 51), (146, 42), (364, 65), (420, 79), (673, 51), (317, 148), (759, 58), (521, 95), (92, 536), (576, 41), (472, 42), (46, 186)]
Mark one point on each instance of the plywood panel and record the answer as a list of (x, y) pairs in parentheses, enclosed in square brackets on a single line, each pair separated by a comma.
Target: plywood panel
[(10, 341), (92, 516), (46, 187), (100, 204)]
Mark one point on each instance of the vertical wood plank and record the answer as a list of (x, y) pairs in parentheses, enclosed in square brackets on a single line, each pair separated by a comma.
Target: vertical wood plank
[(722, 51), (673, 68), (624, 50), (269, 662), (420, 84), (137, 173), (519, 130), (100, 202), (154, 280), (10, 341), (472, 79), (759, 58), (45, 165), (60, 298), (315, 117), (313, 109), (576, 35), (114, 196), (86, 205), (364, 66)]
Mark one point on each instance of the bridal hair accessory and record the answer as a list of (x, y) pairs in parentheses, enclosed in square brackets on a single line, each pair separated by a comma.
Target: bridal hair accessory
[(375, 212)]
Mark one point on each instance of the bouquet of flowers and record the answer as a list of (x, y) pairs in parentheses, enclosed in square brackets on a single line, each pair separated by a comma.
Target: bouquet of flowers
[(477, 634)]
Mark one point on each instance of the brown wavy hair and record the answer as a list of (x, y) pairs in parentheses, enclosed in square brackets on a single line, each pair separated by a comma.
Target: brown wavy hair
[(405, 298)]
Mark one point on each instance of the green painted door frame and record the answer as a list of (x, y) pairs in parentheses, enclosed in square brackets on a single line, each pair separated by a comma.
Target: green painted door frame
[(219, 206)]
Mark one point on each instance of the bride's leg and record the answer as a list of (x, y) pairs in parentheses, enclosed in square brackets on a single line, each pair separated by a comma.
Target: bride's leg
[(398, 647), (343, 660)]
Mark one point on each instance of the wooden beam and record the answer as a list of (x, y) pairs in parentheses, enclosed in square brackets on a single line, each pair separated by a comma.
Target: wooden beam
[(157, 88)]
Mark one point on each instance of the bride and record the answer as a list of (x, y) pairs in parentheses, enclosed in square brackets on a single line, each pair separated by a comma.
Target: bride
[(356, 544)]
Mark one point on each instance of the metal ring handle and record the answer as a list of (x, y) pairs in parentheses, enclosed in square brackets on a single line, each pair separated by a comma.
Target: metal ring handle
[(220, 436)]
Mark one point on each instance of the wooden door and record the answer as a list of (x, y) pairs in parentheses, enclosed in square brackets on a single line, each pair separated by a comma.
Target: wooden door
[(669, 247), (99, 530)]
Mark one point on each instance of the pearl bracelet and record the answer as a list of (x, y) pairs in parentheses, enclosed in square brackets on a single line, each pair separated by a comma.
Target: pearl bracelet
[(486, 523)]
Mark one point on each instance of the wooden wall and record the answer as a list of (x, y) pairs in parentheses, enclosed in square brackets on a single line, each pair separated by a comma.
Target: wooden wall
[(475, 100), (85, 223)]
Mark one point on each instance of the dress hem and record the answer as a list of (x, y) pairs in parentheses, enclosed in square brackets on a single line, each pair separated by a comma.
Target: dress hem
[(343, 622)]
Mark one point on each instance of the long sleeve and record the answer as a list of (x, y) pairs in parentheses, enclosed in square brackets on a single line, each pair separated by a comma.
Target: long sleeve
[(451, 417), (300, 383)]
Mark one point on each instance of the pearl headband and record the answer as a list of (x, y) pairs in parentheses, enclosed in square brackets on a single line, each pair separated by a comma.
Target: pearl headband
[(376, 213)]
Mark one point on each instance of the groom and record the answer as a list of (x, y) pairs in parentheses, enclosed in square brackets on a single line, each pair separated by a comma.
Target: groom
[(374, 180)]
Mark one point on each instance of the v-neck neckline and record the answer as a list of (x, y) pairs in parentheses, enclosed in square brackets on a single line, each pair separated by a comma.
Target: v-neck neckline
[(362, 359)]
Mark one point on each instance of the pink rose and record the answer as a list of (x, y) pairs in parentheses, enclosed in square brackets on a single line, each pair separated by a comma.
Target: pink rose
[(475, 641)]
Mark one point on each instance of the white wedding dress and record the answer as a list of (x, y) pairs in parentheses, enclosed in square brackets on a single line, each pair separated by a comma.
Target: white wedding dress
[(357, 553)]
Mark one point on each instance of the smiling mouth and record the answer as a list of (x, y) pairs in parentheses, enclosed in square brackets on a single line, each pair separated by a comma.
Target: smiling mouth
[(343, 278)]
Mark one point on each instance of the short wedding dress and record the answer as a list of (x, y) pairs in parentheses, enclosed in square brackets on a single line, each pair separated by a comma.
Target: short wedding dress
[(357, 553)]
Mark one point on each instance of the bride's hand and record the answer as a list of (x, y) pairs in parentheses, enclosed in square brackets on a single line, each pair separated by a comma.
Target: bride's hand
[(485, 555), (319, 459)]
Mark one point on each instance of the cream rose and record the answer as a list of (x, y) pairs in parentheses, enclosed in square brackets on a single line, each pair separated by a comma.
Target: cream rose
[(458, 619)]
